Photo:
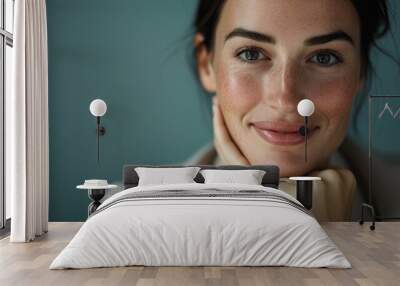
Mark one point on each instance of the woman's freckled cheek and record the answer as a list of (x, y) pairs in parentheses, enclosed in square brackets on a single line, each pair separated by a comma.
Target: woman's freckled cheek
[(334, 99), (239, 92)]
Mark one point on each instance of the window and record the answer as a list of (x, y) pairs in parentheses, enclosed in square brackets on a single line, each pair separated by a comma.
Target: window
[(6, 61)]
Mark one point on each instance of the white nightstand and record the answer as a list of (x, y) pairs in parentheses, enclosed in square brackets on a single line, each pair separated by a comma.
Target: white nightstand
[(96, 190), (304, 189)]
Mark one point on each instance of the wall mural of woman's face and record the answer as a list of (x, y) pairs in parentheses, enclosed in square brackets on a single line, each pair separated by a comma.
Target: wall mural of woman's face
[(268, 55)]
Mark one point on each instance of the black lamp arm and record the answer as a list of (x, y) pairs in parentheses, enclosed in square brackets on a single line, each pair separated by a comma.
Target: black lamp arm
[(100, 130), (306, 137)]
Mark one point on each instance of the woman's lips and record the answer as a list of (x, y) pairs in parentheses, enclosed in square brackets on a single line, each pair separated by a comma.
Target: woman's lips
[(282, 133)]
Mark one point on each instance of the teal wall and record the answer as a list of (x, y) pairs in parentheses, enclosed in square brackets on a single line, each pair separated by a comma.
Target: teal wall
[(133, 55), (386, 78), (385, 135)]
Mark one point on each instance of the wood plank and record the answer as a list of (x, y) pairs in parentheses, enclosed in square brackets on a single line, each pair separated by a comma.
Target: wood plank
[(375, 257)]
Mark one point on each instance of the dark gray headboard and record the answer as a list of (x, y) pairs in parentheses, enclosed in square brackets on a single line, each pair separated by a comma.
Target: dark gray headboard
[(271, 178)]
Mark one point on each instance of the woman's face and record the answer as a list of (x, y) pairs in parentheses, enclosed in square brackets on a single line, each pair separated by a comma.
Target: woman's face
[(268, 56)]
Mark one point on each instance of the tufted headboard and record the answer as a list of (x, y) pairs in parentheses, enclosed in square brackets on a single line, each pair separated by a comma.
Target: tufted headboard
[(271, 178)]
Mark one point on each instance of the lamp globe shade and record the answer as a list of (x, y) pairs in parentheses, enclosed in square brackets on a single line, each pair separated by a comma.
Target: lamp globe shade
[(305, 107), (98, 107)]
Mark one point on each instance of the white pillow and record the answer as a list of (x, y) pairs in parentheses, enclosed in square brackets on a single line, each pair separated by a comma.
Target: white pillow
[(249, 177), (161, 176)]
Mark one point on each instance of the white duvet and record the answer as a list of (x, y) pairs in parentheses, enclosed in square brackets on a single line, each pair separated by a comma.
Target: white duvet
[(185, 231)]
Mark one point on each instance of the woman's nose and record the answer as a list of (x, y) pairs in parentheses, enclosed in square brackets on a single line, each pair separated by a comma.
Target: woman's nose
[(282, 88)]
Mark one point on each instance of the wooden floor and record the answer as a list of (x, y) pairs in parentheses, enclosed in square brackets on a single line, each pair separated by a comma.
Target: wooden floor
[(375, 257)]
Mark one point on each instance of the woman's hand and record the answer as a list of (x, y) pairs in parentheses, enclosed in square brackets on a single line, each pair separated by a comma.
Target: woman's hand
[(226, 148)]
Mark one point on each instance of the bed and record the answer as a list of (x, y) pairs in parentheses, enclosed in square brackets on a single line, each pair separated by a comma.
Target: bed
[(201, 224)]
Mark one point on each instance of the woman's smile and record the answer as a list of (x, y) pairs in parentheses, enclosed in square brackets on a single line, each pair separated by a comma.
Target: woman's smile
[(282, 133)]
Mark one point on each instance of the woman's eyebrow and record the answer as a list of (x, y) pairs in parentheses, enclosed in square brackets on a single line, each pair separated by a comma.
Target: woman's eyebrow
[(334, 36), (253, 35), (317, 40)]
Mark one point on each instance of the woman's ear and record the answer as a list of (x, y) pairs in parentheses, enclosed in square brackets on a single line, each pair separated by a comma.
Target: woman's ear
[(205, 68), (361, 84), (362, 79)]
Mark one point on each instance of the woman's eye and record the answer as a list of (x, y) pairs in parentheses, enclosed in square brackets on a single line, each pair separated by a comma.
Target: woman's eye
[(326, 59), (251, 55)]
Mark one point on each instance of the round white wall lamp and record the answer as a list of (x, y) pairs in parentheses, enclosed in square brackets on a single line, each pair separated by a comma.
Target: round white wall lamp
[(305, 108), (98, 108)]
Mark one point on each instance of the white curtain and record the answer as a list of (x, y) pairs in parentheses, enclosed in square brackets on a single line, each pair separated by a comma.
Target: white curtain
[(27, 124)]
